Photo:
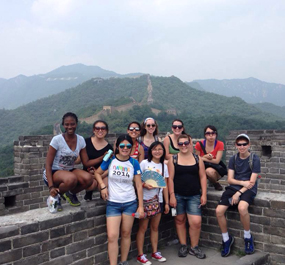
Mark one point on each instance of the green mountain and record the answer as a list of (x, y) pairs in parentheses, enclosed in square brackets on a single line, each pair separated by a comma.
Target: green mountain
[(271, 108), (250, 89), (21, 89)]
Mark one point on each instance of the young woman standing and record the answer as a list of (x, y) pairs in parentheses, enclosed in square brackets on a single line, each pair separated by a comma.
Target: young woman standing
[(155, 162), (121, 197), (187, 179)]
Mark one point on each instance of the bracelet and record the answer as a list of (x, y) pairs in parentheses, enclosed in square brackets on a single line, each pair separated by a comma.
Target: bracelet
[(104, 188), (171, 193), (240, 192), (50, 188), (143, 185)]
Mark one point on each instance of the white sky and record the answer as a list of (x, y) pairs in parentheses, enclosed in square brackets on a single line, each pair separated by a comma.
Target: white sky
[(199, 39)]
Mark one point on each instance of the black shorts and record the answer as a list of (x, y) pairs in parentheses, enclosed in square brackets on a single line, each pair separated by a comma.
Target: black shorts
[(247, 196)]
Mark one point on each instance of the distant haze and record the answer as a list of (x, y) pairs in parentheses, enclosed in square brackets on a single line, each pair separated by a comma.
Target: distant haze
[(190, 39)]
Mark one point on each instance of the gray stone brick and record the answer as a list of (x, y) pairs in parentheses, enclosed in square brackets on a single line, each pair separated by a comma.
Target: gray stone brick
[(101, 239), (57, 232), (30, 239), (31, 250), (277, 222), (8, 231), (9, 256), (55, 222), (33, 201), (5, 245), (97, 230), (30, 228), (274, 249), (101, 257), (57, 243), (97, 249), (78, 226), (64, 260), (78, 246), (87, 261), (81, 235), (57, 253), (79, 255), (100, 210)]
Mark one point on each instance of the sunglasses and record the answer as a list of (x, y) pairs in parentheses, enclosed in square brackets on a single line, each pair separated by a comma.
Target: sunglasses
[(210, 133), (177, 127), (242, 144), (134, 129), (150, 125), (122, 146), (100, 128), (183, 143)]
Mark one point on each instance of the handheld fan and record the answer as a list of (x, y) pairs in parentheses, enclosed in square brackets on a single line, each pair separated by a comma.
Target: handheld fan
[(154, 179)]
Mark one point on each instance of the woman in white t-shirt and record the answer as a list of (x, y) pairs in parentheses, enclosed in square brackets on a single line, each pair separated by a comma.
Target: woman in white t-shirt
[(121, 197), (155, 162), (59, 174)]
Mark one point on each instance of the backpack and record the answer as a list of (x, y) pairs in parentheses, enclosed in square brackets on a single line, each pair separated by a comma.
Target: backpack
[(175, 158), (140, 139), (250, 161)]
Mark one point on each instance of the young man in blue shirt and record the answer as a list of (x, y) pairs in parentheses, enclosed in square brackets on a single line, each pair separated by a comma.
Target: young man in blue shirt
[(243, 171)]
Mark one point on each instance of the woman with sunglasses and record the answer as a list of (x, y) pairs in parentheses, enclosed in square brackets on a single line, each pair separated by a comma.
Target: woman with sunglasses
[(188, 192), (211, 150), (170, 142), (148, 134), (121, 197), (96, 147), (155, 162), (137, 151)]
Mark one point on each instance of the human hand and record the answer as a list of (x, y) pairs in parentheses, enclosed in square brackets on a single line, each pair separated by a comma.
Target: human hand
[(173, 201), (91, 170), (247, 184), (104, 193), (53, 191), (147, 186), (140, 210), (166, 208), (203, 200)]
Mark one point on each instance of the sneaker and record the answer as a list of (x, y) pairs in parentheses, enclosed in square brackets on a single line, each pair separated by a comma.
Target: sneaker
[(59, 206), (124, 263), (226, 246), (88, 195), (71, 198), (183, 250), (197, 252), (249, 245), (157, 256), (143, 260), (217, 186)]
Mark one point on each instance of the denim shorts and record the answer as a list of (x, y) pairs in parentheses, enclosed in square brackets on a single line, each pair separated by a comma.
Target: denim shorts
[(188, 204), (117, 209)]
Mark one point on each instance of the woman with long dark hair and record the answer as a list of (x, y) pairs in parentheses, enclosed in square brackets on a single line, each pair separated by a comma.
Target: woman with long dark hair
[(96, 147)]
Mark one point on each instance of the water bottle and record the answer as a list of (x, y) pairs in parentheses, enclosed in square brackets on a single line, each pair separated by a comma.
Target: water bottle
[(137, 215), (172, 242), (107, 156), (52, 203)]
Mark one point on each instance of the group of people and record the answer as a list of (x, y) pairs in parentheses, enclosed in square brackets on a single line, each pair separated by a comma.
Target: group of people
[(119, 181)]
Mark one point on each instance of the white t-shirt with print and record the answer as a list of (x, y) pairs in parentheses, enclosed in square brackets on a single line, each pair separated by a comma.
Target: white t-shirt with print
[(146, 165), (120, 179)]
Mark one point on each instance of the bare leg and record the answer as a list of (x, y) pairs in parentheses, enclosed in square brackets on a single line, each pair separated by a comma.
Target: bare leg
[(126, 228), (143, 223), (244, 215), (113, 229), (84, 180), (220, 213), (154, 222), (194, 228), (180, 222), (212, 175), (64, 180)]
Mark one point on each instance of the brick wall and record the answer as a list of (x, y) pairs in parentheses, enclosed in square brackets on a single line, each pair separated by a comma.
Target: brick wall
[(74, 236)]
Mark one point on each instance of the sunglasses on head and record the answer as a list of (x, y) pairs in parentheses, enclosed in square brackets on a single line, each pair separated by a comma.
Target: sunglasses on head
[(122, 146), (183, 143), (103, 128), (242, 144), (150, 125), (134, 129), (177, 127), (210, 133)]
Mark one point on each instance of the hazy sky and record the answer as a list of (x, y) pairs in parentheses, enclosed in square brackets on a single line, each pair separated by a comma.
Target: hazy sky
[(199, 39)]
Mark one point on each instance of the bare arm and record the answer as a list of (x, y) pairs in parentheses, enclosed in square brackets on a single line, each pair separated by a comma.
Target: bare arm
[(203, 182), (49, 160), (138, 182), (166, 197), (141, 154), (103, 189), (209, 157), (85, 159), (171, 171), (166, 143)]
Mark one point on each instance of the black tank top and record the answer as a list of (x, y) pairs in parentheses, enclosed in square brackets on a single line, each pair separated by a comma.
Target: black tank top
[(187, 180)]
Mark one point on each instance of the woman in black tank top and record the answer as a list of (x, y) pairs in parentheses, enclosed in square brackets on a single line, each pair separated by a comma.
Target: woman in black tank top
[(188, 192)]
